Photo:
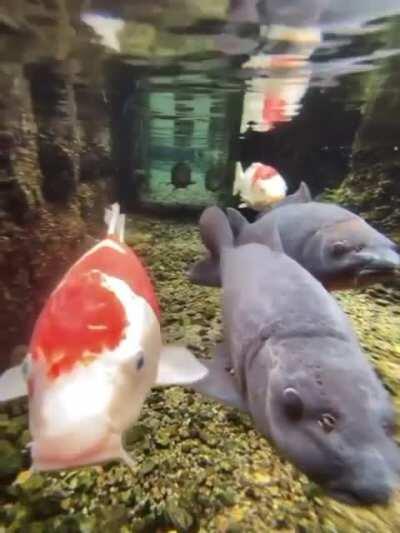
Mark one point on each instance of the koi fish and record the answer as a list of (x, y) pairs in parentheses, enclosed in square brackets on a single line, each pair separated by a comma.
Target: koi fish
[(95, 352), (259, 186)]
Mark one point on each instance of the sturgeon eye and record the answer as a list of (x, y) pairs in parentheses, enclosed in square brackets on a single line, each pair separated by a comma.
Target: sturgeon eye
[(293, 404), (327, 422), (140, 362), (340, 248)]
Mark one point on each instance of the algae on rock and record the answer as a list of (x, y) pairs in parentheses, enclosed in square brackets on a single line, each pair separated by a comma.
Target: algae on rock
[(44, 209)]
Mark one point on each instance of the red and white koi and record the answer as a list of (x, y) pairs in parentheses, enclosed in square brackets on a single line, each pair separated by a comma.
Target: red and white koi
[(259, 186), (95, 353)]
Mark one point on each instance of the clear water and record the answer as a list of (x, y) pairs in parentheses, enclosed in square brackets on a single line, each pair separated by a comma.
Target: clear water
[(99, 101), (202, 71)]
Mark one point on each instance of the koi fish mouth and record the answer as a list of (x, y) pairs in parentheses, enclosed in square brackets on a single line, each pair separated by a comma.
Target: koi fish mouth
[(106, 449)]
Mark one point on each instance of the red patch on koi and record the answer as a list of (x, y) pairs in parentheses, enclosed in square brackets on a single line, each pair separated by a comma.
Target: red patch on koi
[(81, 318), (263, 172), (124, 265)]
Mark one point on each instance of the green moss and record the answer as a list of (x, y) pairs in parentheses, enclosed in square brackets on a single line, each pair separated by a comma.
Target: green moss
[(10, 459)]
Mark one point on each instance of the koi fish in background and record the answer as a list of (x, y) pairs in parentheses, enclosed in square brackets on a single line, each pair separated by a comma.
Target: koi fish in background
[(274, 93), (95, 353), (259, 186)]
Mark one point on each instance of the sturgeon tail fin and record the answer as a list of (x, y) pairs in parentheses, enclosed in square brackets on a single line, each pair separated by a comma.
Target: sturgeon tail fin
[(115, 222), (205, 272), (13, 384), (216, 234)]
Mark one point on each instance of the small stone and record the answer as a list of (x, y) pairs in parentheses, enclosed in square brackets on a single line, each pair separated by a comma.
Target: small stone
[(33, 483), (234, 528), (163, 439), (227, 497), (205, 437), (147, 466), (226, 467), (187, 447), (181, 518), (135, 434)]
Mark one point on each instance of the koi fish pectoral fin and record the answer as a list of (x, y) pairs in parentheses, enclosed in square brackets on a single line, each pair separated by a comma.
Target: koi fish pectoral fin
[(13, 383), (178, 366)]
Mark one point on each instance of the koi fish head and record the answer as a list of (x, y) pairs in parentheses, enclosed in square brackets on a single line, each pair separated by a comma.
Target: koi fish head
[(94, 357)]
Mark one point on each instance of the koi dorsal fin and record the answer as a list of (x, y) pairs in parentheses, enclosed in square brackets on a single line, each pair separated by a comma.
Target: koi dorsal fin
[(121, 228), (115, 222)]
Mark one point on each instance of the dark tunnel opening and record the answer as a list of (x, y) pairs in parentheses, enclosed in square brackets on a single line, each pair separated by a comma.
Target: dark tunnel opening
[(314, 146)]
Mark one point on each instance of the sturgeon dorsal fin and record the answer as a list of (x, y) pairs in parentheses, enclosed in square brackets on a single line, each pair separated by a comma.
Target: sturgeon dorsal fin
[(215, 230), (236, 221), (274, 239), (268, 235), (216, 234), (301, 196)]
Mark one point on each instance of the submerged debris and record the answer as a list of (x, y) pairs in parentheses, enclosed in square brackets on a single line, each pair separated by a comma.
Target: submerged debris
[(181, 175), (202, 467)]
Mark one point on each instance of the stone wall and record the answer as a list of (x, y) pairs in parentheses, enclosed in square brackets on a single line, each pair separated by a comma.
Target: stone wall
[(49, 197), (373, 185)]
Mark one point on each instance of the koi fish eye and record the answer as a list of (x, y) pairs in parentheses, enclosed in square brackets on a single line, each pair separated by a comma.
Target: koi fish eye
[(327, 422), (140, 363)]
